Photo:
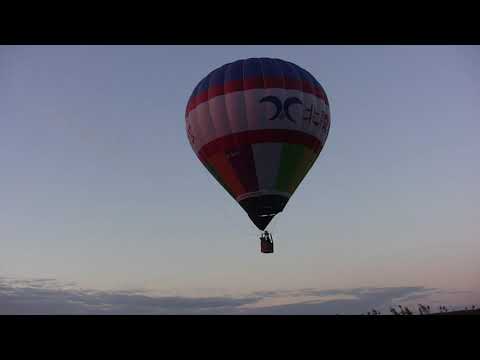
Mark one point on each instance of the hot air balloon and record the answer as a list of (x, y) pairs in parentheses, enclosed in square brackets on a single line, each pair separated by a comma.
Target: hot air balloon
[(258, 125)]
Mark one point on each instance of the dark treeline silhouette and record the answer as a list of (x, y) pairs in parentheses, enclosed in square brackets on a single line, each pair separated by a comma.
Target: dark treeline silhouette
[(425, 310)]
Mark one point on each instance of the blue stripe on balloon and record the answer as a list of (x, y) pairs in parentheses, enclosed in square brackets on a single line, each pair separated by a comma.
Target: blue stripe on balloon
[(234, 71), (252, 68)]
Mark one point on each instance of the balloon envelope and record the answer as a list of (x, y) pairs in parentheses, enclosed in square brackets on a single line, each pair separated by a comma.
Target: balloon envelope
[(258, 125)]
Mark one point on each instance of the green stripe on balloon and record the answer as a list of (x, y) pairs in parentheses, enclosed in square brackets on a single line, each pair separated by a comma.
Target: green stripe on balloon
[(291, 155), (302, 168), (296, 161)]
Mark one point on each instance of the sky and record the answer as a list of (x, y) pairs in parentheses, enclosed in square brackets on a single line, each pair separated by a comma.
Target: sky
[(103, 200)]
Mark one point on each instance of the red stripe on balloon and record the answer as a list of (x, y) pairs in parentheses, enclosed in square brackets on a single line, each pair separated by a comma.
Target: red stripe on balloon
[(243, 163), (231, 142), (221, 164), (256, 83), (253, 83)]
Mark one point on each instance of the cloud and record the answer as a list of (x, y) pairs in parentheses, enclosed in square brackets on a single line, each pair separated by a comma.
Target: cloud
[(47, 296), (359, 300)]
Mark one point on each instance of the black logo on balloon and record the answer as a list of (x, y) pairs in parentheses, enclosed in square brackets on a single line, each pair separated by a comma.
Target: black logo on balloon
[(310, 113), (278, 105)]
